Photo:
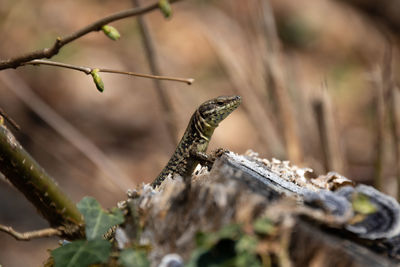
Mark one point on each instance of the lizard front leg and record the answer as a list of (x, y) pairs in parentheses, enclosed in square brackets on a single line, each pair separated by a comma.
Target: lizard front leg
[(207, 159)]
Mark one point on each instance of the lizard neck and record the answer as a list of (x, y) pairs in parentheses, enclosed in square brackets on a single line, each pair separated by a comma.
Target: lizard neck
[(202, 127), (197, 135)]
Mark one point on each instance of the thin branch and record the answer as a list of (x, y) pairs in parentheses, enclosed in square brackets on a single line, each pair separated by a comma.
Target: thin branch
[(37, 62), (61, 41), (88, 70), (154, 68), (26, 236), (189, 81)]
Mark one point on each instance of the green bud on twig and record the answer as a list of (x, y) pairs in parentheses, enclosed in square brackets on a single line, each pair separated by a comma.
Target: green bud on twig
[(165, 8), (97, 80), (111, 32)]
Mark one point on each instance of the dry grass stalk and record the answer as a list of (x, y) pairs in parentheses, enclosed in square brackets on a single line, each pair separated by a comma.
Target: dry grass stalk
[(395, 125), (245, 73), (380, 133), (332, 154), (151, 54), (393, 101), (274, 67)]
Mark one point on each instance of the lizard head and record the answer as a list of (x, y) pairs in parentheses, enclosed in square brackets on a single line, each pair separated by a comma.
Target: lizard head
[(216, 110)]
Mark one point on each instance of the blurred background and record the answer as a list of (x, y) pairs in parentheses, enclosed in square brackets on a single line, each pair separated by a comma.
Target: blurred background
[(318, 81)]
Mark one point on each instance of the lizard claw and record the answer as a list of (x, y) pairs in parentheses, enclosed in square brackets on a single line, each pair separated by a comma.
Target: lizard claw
[(219, 152)]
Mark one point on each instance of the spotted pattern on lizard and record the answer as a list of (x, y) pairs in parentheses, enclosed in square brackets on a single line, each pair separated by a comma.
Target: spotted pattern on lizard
[(197, 136)]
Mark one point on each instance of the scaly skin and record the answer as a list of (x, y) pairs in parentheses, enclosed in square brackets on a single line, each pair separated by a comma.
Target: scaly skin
[(197, 136)]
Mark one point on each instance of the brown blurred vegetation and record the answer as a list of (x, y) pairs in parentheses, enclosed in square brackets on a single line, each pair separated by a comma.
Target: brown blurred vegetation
[(314, 67)]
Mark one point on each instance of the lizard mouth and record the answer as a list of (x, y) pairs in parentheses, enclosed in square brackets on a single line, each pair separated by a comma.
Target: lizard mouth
[(236, 101), (231, 104)]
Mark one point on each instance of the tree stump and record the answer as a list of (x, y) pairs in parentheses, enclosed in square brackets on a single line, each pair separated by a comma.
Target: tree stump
[(322, 221)]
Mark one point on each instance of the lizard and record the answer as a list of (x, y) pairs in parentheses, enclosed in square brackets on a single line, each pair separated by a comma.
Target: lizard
[(194, 143)]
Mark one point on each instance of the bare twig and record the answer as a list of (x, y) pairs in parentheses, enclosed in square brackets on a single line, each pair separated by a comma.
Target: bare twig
[(37, 62), (154, 68), (36, 185), (116, 178), (62, 41), (88, 70), (189, 81), (10, 120), (26, 236)]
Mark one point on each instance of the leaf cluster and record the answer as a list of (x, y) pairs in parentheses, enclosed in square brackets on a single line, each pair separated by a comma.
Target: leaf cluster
[(95, 249), (232, 246)]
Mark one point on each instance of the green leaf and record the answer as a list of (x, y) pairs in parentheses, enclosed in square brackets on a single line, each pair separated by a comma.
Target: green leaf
[(230, 231), (216, 248), (264, 226), (82, 253), (229, 246), (165, 8), (111, 32), (97, 221), (207, 240), (246, 244), (97, 80), (222, 253), (132, 258), (362, 204), (246, 259)]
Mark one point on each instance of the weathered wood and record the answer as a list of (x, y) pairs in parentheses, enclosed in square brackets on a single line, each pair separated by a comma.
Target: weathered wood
[(311, 246), (320, 227)]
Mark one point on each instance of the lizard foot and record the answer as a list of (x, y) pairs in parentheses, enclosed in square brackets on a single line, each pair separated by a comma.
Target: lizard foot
[(207, 159)]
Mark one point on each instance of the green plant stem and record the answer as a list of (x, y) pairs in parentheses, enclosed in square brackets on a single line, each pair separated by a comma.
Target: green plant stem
[(37, 186)]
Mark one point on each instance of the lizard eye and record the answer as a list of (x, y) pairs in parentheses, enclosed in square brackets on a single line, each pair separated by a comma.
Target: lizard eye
[(220, 103)]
